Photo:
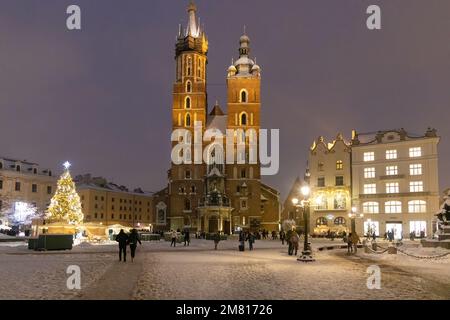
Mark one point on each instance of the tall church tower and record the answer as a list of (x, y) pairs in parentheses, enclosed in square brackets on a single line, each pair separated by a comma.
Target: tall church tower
[(189, 105), (244, 104)]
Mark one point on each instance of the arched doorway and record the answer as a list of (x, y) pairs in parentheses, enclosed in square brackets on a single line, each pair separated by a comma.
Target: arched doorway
[(213, 225)]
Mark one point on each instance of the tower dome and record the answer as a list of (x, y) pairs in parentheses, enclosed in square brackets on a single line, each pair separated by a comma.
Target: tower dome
[(232, 68), (244, 38), (256, 68), (244, 64)]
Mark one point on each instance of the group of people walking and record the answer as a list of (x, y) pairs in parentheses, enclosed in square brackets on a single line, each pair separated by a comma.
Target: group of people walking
[(187, 238), (352, 240), (174, 237), (246, 236), (292, 238), (125, 240)]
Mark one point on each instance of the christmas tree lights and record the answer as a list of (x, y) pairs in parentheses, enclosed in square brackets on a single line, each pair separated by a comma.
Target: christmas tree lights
[(65, 204)]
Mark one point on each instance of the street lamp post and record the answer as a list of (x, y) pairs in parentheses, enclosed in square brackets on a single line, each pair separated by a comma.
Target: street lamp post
[(353, 215), (305, 205)]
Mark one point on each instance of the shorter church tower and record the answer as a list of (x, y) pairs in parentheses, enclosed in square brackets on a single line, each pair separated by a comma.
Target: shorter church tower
[(244, 104)]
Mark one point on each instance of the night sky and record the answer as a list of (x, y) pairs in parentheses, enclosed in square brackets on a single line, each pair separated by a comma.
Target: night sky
[(101, 97)]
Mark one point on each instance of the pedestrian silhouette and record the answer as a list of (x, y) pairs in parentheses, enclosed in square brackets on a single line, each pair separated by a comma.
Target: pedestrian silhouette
[(122, 239), (133, 240)]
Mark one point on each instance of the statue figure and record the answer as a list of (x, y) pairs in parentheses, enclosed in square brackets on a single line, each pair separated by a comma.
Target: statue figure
[(444, 215)]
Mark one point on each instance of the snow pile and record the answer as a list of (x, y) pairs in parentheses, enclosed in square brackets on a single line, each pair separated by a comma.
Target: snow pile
[(4, 236)]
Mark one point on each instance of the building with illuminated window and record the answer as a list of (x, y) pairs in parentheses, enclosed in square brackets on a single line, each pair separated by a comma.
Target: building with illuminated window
[(25, 190), (330, 182), (391, 177), (218, 196), (395, 182), (107, 203)]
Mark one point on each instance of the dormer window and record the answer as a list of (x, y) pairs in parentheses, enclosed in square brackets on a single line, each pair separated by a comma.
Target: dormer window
[(18, 168), (34, 171)]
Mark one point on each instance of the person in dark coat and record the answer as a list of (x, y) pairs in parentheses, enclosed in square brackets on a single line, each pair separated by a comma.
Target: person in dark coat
[(216, 240), (187, 237), (251, 240), (288, 239), (241, 239), (282, 236), (133, 240), (122, 239), (349, 243), (295, 239)]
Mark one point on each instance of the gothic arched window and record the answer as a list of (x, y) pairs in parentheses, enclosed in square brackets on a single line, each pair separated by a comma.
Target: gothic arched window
[(188, 120), (188, 86), (243, 119), (244, 96), (189, 66), (187, 204), (187, 103)]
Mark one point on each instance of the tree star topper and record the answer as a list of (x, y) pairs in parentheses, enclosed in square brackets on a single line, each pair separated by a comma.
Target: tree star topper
[(67, 165)]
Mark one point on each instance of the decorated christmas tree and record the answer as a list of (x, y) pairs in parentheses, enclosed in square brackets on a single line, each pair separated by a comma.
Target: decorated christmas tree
[(65, 204)]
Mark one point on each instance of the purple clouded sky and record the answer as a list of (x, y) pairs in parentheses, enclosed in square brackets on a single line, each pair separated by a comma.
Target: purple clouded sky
[(101, 97)]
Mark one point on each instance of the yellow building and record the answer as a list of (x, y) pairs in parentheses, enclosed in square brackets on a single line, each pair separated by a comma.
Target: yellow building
[(330, 169), (110, 204), (25, 189), (215, 197), (330, 181)]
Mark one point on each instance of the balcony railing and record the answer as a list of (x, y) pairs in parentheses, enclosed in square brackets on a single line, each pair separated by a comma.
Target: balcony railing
[(215, 202)]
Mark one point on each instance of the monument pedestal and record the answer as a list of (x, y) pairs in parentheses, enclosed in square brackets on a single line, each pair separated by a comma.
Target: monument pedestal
[(445, 233)]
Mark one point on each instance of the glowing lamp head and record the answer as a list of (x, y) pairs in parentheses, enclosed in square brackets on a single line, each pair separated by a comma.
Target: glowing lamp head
[(350, 215), (295, 201), (67, 165), (354, 209), (305, 190)]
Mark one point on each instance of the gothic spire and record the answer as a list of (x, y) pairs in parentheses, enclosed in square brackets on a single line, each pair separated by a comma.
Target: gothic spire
[(193, 29)]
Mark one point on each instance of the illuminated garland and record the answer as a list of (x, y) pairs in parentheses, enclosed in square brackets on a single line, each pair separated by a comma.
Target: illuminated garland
[(65, 204)]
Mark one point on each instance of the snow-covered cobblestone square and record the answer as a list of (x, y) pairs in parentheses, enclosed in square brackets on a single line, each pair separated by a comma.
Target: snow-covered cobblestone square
[(199, 272)]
